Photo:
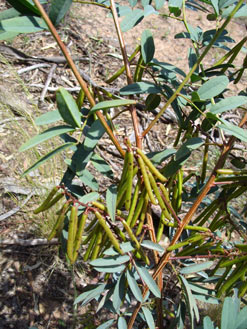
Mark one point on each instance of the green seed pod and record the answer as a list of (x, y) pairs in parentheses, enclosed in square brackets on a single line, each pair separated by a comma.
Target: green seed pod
[(59, 222), (44, 205), (138, 209), (97, 245), (71, 233), (134, 202), (142, 215), (79, 233), (192, 239), (158, 196), (151, 167), (236, 274), (146, 180), (91, 244), (108, 231), (129, 178)]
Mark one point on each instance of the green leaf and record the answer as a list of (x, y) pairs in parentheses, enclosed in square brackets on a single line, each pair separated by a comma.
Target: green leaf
[(58, 10), (119, 292), (213, 87), (207, 323), (9, 13), (89, 197), (125, 246), (149, 10), (90, 294), (47, 157), (111, 201), (23, 24), (147, 278), (134, 286), (228, 104), (196, 268), (101, 165), (122, 324), (110, 261), (68, 108), (158, 157), (106, 325), (229, 314), (159, 4), (88, 179), (215, 4), (241, 319), (48, 117), (206, 299), (7, 35), (149, 317), (47, 134), (94, 134), (132, 3), (147, 46), (112, 104), (24, 7), (110, 269), (152, 101), (140, 88), (193, 310), (152, 246), (235, 131), (132, 20)]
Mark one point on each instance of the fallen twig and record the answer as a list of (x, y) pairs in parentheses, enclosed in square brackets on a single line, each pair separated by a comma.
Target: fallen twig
[(16, 209), (27, 243)]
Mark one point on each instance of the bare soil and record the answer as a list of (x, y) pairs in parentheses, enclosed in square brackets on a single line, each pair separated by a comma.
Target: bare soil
[(36, 286)]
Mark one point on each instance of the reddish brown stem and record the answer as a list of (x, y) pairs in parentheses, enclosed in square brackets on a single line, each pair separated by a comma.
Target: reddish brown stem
[(81, 82), (132, 108), (166, 257)]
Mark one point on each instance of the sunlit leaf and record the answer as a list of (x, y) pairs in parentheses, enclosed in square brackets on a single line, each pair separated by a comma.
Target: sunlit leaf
[(106, 325), (122, 324), (47, 157), (132, 20), (23, 24), (112, 104), (196, 268), (111, 201), (152, 246), (147, 46), (94, 134), (119, 291), (68, 108), (58, 10), (110, 261), (48, 117), (147, 278), (134, 286), (227, 104), (149, 317), (213, 87), (140, 88), (45, 135)]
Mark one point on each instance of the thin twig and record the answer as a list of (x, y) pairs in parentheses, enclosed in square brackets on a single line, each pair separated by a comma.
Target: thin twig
[(32, 67), (48, 81), (27, 243), (16, 209)]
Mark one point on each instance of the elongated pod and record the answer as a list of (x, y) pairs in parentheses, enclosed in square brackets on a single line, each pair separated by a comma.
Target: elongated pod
[(47, 200), (108, 231), (79, 233), (151, 167), (158, 196), (133, 202), (59, 222), (129, 179), (91, 243), (146, 180), (71, 234)]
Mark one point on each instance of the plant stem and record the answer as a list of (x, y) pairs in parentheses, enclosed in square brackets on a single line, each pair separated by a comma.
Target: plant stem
[(186, 79), (81, 82), (138, 135), (92, 3), (166, 257)]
